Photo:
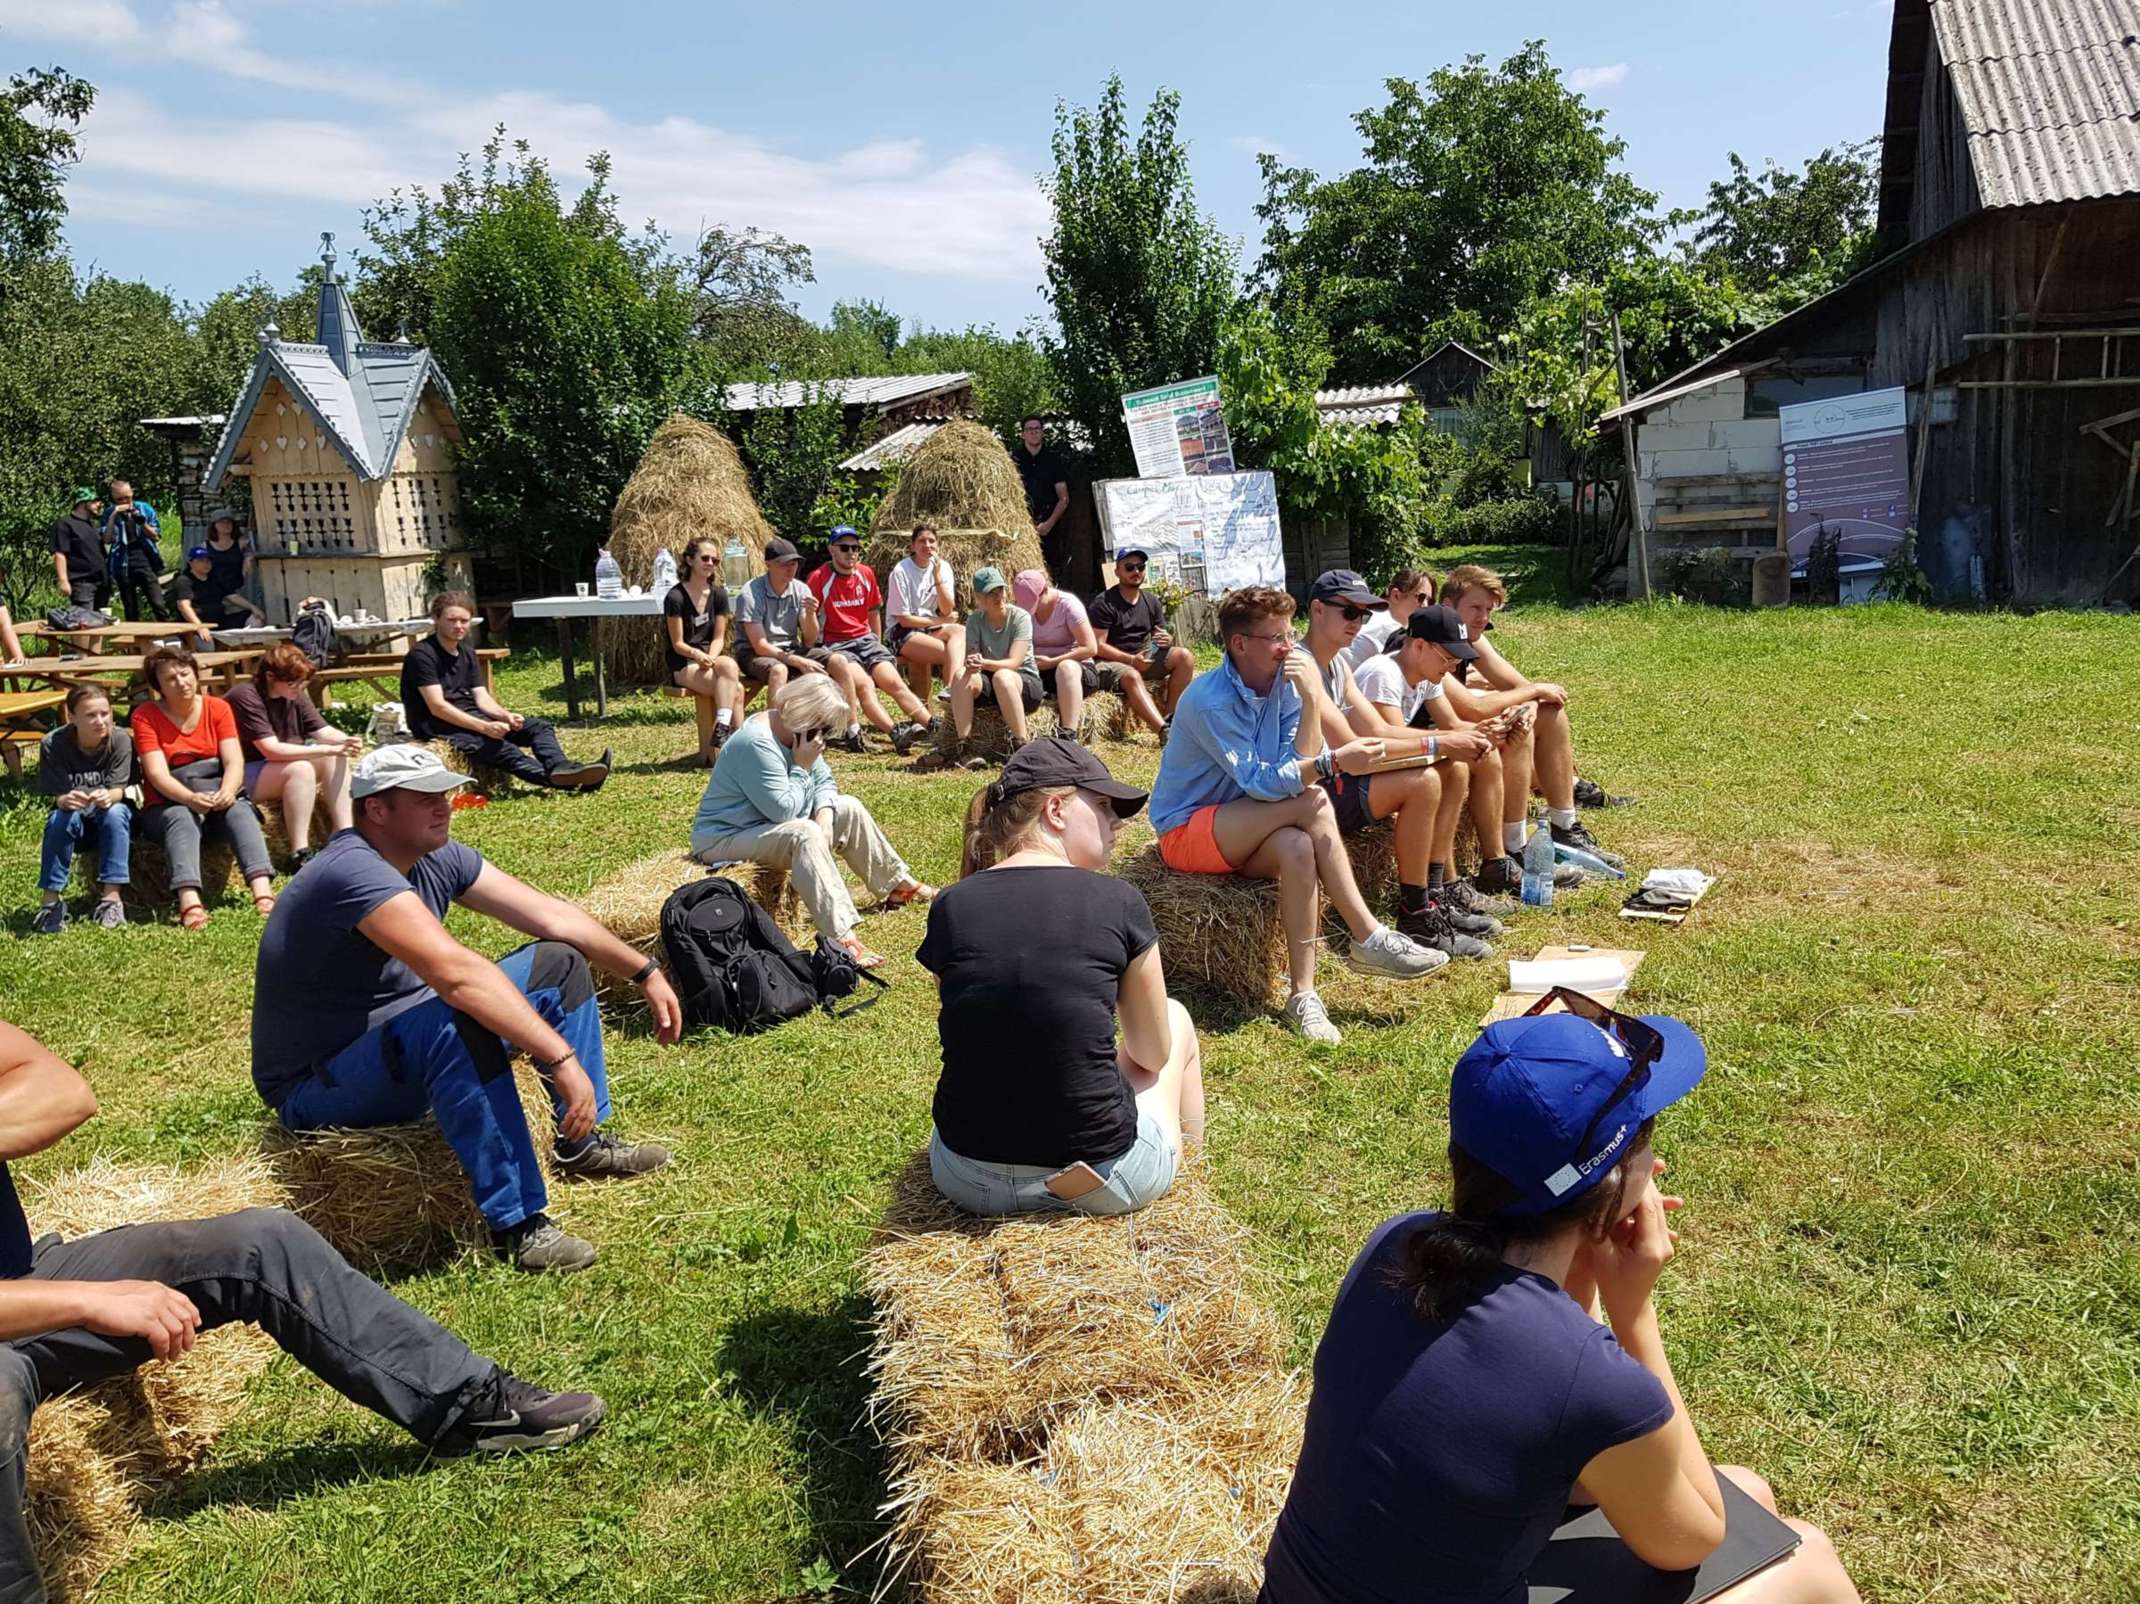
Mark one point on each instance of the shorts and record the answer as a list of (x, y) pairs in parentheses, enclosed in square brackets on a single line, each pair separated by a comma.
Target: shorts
[(1134, 1179), (1509, 725), (896, 637), (1029, 687), (867, 650), (1089, 679), (252, 775), (1348, 794), (1192, 846), (755, 666), (1112, 676)]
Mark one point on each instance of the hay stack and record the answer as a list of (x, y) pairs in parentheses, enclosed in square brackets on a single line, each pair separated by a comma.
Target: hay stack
[(690, 482), (991, 737), (97, 1456), (395, 1195), (960, 479), (628, 904), (964, 549)]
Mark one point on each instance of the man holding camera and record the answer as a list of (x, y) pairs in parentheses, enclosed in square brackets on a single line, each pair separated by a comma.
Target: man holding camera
[(131, 534)]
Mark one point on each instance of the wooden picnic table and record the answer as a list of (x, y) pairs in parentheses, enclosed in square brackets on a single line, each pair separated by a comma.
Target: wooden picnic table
[(19, 726), (219, 670), (91, 639)]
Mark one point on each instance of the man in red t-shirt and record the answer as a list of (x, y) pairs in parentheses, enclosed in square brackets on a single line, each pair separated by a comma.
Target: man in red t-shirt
[(852, 647)]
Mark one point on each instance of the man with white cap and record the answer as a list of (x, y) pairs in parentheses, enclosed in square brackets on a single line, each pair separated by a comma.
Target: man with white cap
[(366, 1012)]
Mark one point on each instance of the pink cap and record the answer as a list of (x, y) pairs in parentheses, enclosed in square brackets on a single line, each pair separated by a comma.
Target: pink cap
[(1028, 586)]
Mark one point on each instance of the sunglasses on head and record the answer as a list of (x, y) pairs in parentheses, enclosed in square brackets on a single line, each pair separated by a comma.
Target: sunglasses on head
[(1644, 1044)]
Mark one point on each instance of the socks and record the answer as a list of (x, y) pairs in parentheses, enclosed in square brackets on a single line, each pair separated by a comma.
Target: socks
[(1411, 899), (1512, 836), (1561, 818), (1375, 935), (854, 732), (1437, 877), (723, 718)]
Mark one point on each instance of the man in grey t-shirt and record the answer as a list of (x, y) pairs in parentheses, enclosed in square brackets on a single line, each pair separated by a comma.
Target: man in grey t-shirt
[(777, 621)]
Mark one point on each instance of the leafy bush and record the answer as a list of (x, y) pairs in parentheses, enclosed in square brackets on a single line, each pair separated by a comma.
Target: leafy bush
[(1703, 574), (1509, 521)]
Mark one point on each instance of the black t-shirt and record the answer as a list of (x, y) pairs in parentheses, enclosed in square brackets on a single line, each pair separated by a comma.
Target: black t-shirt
[(1041, 475), (84, 548), (429, 663), (208, 596), (1030, 960), (14, 1231), (227, 566), (1127, 625), (698, 626)]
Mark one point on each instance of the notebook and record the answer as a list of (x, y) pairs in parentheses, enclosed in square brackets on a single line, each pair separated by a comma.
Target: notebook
[(1586, 1563)]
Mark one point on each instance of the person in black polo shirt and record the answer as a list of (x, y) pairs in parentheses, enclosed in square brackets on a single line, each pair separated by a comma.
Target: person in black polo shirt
[(442, 693), (1047, 491), (76, 1313), (77, 547), (199, 598)]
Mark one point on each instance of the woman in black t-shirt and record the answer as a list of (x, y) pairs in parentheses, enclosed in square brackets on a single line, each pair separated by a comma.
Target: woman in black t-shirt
[(1038, 959), (695, 622)]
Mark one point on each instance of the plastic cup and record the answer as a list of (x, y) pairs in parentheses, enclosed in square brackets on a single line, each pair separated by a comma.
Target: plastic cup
[(581, 587)]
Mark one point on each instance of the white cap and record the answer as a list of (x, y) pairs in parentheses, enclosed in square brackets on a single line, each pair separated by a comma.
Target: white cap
[(403, 766)]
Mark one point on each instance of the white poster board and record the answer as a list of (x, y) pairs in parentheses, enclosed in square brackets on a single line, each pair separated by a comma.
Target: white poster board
[(1846, 468), (1211, 534), (1178, 429)]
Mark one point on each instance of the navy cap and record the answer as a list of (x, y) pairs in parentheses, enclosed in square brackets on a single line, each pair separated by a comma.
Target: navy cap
[(1523, 1095), (200, 552), (844, 532), (1343, 585), (778, 550), (1124, 552), (1442, 626)]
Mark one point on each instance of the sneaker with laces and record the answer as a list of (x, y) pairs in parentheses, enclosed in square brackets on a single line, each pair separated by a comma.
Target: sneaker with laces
[(51, 919), (1392, 955), (511, 1416), (1498, 877), (536, 1244), (1304, 1012), (1431, 927), (905, 734), (1461, 896), (603, 1157), (850, 742), (108, 914), (1567, 877), (1590, 794), (1577, 836)]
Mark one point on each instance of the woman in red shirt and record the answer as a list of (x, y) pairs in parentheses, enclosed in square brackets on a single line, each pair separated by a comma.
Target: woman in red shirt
[(193, 773)]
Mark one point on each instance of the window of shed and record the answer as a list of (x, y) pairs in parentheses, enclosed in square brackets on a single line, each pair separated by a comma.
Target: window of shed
[(1765, 396)]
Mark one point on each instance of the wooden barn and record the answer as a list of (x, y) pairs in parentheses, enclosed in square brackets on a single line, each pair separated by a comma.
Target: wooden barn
[(2009, 300), (347, 445)]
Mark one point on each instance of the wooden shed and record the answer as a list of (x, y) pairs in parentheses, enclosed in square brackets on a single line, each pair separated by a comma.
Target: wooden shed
[(347, 446)]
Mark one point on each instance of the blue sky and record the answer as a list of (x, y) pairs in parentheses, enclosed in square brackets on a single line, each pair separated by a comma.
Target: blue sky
[(900, 143)]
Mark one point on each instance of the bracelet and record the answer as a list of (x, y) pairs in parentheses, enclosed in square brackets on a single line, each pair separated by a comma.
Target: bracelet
[(1324, 765), (1434, 746), (551, 1067), (645, 969)]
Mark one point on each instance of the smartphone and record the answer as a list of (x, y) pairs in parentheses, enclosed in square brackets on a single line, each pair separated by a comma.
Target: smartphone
[(1074, 1181)]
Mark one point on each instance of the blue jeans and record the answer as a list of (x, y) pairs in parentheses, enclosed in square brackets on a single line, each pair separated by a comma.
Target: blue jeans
[(1134, 1179), (110, 830), (434, 1058)]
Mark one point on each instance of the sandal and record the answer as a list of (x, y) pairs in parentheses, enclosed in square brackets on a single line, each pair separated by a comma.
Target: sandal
[(914, 891), (862, 956), (193, 918)]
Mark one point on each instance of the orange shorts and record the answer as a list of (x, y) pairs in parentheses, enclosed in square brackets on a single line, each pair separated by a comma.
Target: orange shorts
[(1192, 847)]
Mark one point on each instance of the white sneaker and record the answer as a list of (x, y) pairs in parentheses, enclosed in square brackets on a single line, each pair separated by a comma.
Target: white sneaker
[(1393, 956), (1304, 1011)]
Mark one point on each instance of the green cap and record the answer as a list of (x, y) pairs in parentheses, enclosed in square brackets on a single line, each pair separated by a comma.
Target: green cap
[(82, 493), (988, 579)]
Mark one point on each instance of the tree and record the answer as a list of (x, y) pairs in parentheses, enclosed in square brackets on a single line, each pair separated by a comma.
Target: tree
[(1139, 279), (38, 116), (1814, 226), (740, 280), (794, 456), (1489, 187)]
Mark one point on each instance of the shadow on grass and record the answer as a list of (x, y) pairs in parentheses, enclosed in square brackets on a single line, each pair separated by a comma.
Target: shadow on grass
[(802, 1369), (267, 1484)]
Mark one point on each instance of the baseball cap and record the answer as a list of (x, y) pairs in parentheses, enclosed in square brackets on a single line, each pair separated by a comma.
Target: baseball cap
[(82, 493), (782, 551), (844, 533), (1051, 760), (1343, 585), (988, 579), (402, 767), (1124, 553), (217, 514), (1029, 584), (1441, 626), (200, 552), (1525, 1095)]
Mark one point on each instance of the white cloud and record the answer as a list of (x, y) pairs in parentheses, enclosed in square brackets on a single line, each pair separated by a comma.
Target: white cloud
[(1582, 79), (1259, 145), (106, 22)]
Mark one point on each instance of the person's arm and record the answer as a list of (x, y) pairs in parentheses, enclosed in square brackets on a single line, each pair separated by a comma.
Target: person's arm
[(824, 791), (1235, 753), (947, 599), (762, 772), (10, 643), (1021, 646), (1141, 1007), (232, 752), (445, 712), (156, 766), (1108, 652), (59, 565), (479, 693), (1300, 672), (183, 604), (42, 1096), (676, 640), (1062, 505), (1472, 706), (497, 895), (1083, 648)]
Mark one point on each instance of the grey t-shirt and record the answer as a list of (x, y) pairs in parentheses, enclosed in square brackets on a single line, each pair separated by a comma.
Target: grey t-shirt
[(984, 640), (63, 766), (318, 983), (780, 617)]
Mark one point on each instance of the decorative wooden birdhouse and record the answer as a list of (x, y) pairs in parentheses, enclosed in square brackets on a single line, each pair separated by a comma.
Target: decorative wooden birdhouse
[(348, 445)]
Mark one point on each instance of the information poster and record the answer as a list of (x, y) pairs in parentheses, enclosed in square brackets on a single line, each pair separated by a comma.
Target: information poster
[(1179, 429), (1209, 535), (1846, 468)]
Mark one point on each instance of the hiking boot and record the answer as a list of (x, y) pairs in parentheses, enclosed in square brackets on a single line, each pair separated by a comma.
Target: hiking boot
[(1498, 877), (603, 1157), (1431, 927), (1590, 794), (905, 734), (511, 1416), (850, 742), (1462, 897), (579, 776), (1391, 955), (50, 921), (1304, 1012), (537, 1244), (108, 914), (1578, 837)]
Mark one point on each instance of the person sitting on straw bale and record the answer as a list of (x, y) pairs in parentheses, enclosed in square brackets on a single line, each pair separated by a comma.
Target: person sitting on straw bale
[(86, 768), (779, 620), (442, 688), (1492, 682), (1038, 946), (1063, 645), (1421, 805), (1134, 650), (76, 1313), (292, 755), (925, 633), (1487, 1364), (695, 616), (366, 1012), (772, 799), (999, 655), (1235, 797), (852, 647), (193, 778)]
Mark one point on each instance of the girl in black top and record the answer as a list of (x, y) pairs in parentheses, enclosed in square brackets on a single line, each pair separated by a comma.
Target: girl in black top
[(1038, 959), (695, 619)]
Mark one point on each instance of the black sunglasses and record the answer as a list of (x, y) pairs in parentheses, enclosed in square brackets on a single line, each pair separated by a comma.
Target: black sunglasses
[(803, 737), (1354, 614), (1643, 1041), (1129, 568)]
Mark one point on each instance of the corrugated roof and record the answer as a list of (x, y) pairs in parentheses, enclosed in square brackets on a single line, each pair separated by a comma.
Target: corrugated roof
[(894, 447), (1667, 393), (1363, 406), (2049, 91), (880, 392)]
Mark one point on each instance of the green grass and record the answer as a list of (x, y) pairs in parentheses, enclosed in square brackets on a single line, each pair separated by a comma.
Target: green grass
[(1909, 1289)]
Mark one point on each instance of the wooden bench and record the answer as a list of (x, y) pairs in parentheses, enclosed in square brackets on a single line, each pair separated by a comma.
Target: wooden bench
[(705, 712), (382, 671)]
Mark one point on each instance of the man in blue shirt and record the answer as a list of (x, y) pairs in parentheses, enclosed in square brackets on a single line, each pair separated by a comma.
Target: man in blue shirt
[(1237, 795), (131, 533)]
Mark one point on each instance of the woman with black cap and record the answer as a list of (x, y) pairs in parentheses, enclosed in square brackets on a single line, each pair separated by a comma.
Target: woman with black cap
[(1039, 958), (1487, 1366)]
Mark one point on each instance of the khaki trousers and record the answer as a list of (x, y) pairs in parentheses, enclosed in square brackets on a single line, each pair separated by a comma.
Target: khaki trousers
[(813, 863)]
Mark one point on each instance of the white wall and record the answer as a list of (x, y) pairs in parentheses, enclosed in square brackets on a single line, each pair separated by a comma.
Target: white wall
[(1702, 433)]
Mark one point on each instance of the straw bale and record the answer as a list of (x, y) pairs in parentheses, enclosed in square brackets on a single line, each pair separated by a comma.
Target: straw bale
[(1010, 550), (690, 481), (80, 1504), (395, 1195), (628, 904), (978, 1533), (149, 873), (991, 737), (961, 477)]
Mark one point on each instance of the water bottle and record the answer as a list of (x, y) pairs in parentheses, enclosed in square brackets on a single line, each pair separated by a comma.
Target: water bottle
[(1538, 870), (735, 565), (1588, 862), (664, 572), (608, 577)]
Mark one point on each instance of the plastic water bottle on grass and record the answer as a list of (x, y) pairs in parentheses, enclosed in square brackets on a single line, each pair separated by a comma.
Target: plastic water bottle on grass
[(1538, 869), (608, 577)]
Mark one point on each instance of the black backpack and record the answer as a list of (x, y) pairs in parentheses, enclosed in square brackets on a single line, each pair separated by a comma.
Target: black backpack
[(734, 968), (313, 634)]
